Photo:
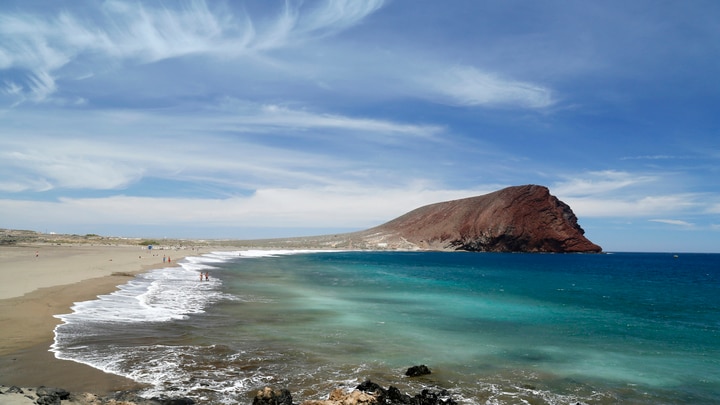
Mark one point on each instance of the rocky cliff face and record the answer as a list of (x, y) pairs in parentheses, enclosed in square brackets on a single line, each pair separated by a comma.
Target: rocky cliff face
[(515, 219)]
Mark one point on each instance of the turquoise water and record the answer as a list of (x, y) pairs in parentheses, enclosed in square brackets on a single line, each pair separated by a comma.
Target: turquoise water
[(493, 328)]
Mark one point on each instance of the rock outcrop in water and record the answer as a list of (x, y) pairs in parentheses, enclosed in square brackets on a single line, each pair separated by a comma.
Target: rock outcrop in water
[(515, 219), (417, 371)]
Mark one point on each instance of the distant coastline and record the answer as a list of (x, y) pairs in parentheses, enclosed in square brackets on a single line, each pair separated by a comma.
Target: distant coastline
[(354, 240)]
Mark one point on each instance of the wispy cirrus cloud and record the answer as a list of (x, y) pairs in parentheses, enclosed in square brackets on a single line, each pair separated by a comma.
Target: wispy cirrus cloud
[(673, 222), (246, 145), (150, 34), (654, 157), (44, 50), (263, 118), (600, 182), (300, 22), (469, 86), (74, 164), (41, 47), (612, 193), (634, 206)]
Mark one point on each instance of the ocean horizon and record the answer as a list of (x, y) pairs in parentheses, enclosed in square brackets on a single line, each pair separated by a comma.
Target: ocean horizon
[(494, 328)]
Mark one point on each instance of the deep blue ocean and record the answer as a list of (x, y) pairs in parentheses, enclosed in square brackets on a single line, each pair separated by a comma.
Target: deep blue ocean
[(629, 328)]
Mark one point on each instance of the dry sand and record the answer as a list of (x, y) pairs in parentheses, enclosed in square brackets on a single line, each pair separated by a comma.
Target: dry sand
[(27, 268), (42, 280)]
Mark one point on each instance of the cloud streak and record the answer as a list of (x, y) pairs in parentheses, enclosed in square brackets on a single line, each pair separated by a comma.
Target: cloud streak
[(601, 182), (270, 144), (42, 47), (468, 86), (611, 193), (635, 206), (673, 222), (50, 52)]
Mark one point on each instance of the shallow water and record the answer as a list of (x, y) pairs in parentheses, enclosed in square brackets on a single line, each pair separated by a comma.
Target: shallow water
[(494, 328)]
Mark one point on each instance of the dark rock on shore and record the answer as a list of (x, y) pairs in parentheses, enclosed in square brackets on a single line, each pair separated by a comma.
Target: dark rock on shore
[(339, 397), (132, 398), (13, 390), (367, 393), (58, 396), (268, 396), (51, 396), (393, 396)]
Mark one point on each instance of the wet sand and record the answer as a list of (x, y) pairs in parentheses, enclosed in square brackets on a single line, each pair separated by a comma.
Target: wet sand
[(40, 281)]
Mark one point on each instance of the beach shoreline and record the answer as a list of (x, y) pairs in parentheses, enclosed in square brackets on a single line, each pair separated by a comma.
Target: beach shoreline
[(44, 275), (42, 280)]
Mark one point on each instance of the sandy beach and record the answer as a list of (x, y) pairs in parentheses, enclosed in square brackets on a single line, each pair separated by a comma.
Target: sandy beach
[(42, 280)]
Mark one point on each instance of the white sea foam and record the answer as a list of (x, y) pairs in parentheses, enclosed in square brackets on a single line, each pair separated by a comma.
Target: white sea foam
[(279, 252), (164, 294), (160, 295)]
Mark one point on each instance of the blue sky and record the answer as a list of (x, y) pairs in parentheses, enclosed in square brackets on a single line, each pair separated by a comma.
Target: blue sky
[(254, 119)]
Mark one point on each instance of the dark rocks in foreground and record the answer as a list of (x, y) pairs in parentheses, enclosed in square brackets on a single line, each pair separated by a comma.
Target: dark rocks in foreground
[(59, 396), (268, 396), (132, 398), (51, 396), (41, 396), (366, 393), (393, 396)]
